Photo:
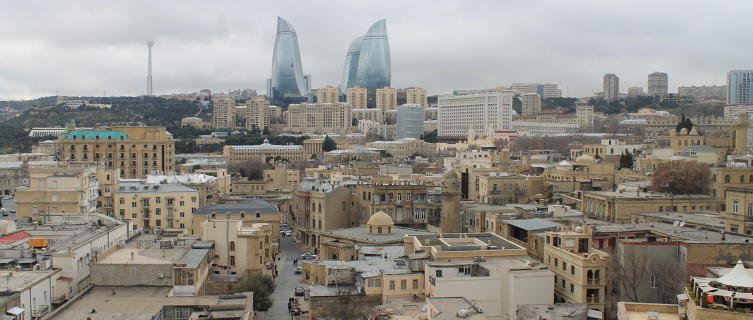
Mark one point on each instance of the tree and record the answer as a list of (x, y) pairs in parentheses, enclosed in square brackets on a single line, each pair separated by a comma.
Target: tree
[(517, 105), (329, 144), (431, 136), (626, 159), (346, 308), (684, 123), (262, 286), (252, 169), (266, 131), (630, 268), (670, 276), (354, 122), (681, 177)]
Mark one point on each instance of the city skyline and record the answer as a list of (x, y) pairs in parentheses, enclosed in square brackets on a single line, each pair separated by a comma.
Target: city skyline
[(474, 47)]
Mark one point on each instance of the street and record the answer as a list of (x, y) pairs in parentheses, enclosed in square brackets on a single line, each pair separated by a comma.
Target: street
[(10, 205), (286, 282)]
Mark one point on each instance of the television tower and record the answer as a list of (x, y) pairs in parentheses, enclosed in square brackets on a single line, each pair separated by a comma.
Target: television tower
[(149, 43)]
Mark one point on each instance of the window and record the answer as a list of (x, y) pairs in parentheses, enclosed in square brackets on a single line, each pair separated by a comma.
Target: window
[(726, 178), (439, 273), (572, 270), (182, 214), (157, 200), (572, 288), (750, 209), (232, 261), (371, 282), (54, 197), (157, 211), (415, 283), (735, 206), (122, 200), (193, 199), (407, 197), (392, 284), (133, 215), (556, 262), (377, 282), (182, 203), (563, 283), (403, 284), (133, 204), (564, 266), (652, 281), (232, 245)]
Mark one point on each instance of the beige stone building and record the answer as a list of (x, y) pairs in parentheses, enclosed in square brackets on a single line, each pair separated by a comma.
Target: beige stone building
[(618, 206), (155, 206), (320, 118), (580, 270), (739, 213), (317, 207), (211, 186), (195, 122), (57, 191), (416, 95), (249, 212), (531, 103), (412, 205), (13, 175), (404, 148), (256, 114), (583, 174), (357, 97), (134, 151), (238, 155), (241, 247), (386, 98), (502, 188), (369, 114), (224, 113), (328, 94)]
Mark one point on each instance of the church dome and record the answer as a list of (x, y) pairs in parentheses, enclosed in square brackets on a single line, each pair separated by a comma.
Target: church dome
[(584, 159)]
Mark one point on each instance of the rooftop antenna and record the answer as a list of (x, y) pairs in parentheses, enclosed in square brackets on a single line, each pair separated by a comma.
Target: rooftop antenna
[(149, 43)]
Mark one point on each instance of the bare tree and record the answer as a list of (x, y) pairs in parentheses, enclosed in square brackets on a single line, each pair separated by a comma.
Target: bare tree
[(252, 169), (671, 277), (681, 177), (631, 269), (345, 309)]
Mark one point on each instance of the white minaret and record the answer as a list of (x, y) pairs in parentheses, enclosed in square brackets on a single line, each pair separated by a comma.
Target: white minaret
[(149, 44)]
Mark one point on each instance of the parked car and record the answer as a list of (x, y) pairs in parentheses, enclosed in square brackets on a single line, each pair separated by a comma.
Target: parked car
[(298, 291), (298, 270), (288, 233), (308, 255)]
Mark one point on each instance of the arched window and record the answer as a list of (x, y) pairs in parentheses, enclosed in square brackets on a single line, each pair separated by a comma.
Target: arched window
[(227, 216), (590, 274), (742, 179), (232, 245), (261, 244), (266, 239), (258, 214), (726, 178), (214, 215), (243, 215)]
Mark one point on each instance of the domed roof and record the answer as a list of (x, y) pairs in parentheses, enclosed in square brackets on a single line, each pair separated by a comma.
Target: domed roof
[(380, 219), (584, 159)]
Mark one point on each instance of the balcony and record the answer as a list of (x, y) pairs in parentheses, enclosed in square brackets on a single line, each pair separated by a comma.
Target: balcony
[(170, 216), (594, 299), (145, 216), (170, 204), (593, 282)]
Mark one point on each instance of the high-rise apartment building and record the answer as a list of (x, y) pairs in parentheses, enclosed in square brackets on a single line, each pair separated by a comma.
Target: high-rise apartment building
[(635, 92), (320, 117), (531, 103), (703, 92), (224, 113), (410, 121), (416, 95), (328, 95), (386, 98), (287, 80), (545, 90), (738, 86), (472, 114), (257, 114), (611, 87), (658, 84), (357, 97), (134, 151)]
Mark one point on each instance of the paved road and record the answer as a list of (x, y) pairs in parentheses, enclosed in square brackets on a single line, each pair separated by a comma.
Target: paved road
[(286, 282), (10, 205)]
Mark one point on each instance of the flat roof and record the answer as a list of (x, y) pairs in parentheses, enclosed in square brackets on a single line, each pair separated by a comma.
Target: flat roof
[(650, 195), (532, 224), (686, 234), (361, 233)]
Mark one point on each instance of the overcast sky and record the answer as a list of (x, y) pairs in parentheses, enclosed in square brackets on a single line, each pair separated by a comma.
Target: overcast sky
[(96, 47)]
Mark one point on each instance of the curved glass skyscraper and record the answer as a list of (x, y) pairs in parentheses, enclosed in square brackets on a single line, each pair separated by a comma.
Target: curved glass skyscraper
[(287, 73), (371, 55)]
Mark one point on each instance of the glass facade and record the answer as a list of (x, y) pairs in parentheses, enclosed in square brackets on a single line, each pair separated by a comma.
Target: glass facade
[(351, 64), (287, 74), (371, 54)]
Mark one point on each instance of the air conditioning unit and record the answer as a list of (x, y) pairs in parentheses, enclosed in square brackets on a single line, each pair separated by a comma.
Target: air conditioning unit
[(664, 239), (161, 275)]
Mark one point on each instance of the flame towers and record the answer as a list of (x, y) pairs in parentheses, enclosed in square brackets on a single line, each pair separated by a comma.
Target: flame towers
[(286, 80), (367, 63)]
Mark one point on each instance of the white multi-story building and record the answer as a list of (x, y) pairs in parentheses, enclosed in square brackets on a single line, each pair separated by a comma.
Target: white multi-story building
[(544, 128), (410, 121), (545, 90), (460, 115), (731, 110), (738, 86)]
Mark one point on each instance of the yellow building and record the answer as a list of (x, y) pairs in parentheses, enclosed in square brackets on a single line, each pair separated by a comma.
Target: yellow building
[(386, 98), (580, 270), (679, 141), (155, 206), (57, 191), (502, 188), (241, 247), (369, 114), (416, 95), (584, 174), (135, 151), (404, 148), (223, 113), (328, 95), (320, 118), (739, 214), (406, 204)]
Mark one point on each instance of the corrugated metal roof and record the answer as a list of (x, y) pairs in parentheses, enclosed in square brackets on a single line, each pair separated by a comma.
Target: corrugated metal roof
[(78, 134), (532, 224)]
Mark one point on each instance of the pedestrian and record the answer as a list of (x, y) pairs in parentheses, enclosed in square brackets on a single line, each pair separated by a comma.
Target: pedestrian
[(289, 306)]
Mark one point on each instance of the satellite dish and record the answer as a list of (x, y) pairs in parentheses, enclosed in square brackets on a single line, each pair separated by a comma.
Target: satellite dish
[(682, 224), (676, 223)]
